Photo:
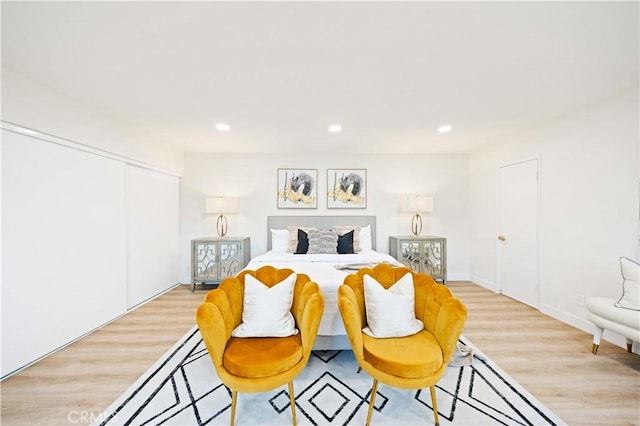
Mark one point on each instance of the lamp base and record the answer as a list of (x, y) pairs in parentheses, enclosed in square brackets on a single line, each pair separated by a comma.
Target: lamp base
[(222, 226), (416, 225)]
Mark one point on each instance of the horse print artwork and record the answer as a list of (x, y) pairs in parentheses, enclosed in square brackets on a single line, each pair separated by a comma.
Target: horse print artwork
[(297, 188), (347, 188)]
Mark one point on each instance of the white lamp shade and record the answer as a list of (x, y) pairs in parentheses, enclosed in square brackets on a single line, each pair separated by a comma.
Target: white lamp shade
[(419, 204), (221, 205)]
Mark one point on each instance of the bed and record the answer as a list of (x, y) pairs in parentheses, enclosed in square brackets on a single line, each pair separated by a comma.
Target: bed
[(327, 269)]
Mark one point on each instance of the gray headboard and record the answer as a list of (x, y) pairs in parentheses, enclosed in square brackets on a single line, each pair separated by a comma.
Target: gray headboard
[(320, 222)]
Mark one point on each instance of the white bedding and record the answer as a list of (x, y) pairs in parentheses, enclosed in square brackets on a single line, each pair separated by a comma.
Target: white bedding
[(321, 268)]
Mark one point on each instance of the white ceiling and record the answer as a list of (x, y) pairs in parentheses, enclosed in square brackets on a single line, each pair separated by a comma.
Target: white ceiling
[(280, 72)]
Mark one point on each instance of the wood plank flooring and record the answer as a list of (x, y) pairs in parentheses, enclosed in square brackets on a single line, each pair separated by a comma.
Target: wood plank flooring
[(550, 359)]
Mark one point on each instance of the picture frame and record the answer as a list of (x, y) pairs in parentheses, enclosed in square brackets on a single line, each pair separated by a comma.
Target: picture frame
[(346, 188), (297, 188)]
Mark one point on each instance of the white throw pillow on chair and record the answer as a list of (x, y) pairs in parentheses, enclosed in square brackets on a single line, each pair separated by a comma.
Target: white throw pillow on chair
[(266, 310), (630, 285), (390, 312)]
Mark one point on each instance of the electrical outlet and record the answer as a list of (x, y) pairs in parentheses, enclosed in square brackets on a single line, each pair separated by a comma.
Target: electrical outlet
[(580, 299)]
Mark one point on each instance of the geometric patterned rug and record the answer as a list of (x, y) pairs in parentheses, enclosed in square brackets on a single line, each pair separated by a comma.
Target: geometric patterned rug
[(182, 388)]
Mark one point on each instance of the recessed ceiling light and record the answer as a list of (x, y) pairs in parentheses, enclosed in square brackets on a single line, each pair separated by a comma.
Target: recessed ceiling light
[(223, 127), (335, 128), (446, 128)]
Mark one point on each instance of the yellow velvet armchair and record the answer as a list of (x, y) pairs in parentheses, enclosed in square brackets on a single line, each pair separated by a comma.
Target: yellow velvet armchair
[(411, 362), (258, 364)]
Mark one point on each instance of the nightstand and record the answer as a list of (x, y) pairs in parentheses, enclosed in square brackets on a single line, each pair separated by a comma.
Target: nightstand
[(214, 259), (427, 255)]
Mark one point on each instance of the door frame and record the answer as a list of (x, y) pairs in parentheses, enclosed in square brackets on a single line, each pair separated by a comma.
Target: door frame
[(538, 231)]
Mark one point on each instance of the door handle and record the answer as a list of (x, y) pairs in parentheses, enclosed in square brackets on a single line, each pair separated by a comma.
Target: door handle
[(501, 238)]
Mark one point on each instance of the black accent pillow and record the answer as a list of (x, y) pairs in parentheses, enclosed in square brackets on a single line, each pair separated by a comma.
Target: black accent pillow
[(303, 242), (345, 243)]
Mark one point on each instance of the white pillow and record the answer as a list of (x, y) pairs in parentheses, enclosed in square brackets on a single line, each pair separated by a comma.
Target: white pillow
[(267, 310), (279, 240), (391, 312), (365, 238), (630, 285)]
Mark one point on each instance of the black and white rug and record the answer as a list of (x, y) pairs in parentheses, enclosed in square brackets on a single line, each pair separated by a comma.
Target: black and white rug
[(182, 388)]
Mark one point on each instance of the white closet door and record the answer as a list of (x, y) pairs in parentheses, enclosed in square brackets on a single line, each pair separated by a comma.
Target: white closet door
[(63, 246), (153, 233)]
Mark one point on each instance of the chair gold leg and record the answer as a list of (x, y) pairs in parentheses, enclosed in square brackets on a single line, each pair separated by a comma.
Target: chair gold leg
[(293, 403), (372, 401), (434, 402), (234, 397), (594, 348)]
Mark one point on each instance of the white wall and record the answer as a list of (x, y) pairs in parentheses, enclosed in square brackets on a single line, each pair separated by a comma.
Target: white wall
[(589, 173), (253, 178), (29, 104)]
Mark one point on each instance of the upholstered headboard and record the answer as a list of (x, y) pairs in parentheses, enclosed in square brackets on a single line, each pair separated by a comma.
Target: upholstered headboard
[(320, 222)]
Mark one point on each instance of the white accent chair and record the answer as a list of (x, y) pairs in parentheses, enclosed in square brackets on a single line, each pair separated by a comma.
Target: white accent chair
[(621, 316)]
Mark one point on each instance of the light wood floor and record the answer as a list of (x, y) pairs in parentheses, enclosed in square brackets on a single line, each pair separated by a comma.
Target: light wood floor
[(551, 360)]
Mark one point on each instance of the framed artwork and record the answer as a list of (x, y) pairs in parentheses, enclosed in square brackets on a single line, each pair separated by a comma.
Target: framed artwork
[(297, 188), (347, 188)]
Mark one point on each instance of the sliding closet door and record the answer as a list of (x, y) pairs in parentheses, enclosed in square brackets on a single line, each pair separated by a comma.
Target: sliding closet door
[(63, 246), (153, 233)]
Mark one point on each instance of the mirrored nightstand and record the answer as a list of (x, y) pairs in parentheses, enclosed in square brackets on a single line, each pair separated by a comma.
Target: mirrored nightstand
[(427, 255), (214, 259)]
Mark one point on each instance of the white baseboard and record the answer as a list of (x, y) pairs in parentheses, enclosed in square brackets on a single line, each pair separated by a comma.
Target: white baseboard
[(484, 283), (587, 327), (577, 322)]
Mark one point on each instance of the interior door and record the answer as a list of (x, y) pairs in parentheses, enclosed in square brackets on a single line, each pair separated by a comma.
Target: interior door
[(518, 231)]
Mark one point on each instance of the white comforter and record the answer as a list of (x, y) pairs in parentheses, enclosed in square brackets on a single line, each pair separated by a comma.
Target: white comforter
[(322, 269)]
